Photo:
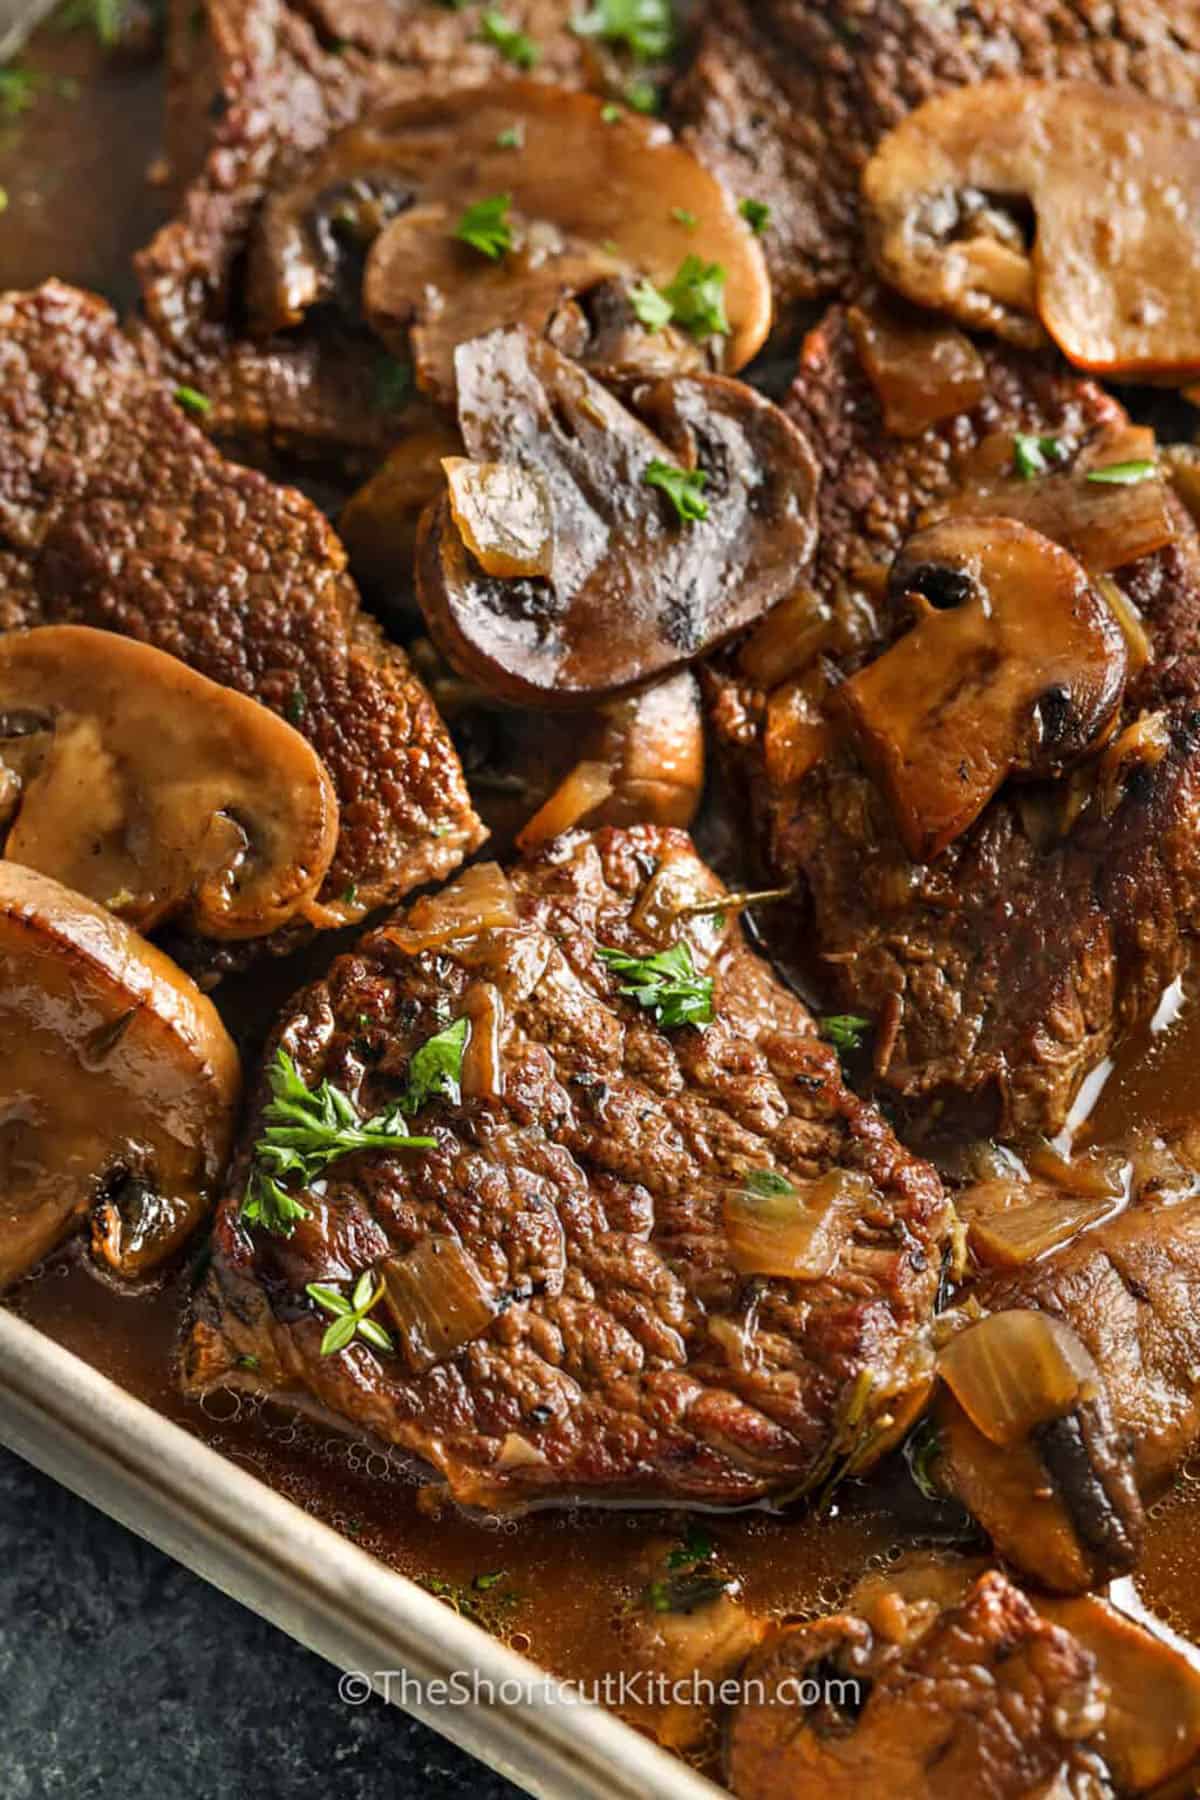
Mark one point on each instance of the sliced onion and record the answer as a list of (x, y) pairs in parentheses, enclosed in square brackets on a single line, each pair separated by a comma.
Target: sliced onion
[(791, 635), (504, 516), (799, 1234), (1137, 638), (481, 899), (1012, 1222), (438, 1298), (920, 372), (1142, 744), (1106, 527), (483, 1058), (1015, 1371), (517, 1452), (678, 888), (585, 788), (797, 733)]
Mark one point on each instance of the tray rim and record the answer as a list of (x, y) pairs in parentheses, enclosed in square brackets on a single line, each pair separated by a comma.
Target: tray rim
[(229, 1527)]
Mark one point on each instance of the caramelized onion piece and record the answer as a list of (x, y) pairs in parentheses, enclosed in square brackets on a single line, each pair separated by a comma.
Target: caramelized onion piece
[(483, 1055), (155, 791), (920, 372), (1113, 178), (1015, 666), (1010, 1222), (439, 1300), (503, 516), (789, 638), (479, 899), (798, 1234), (378, 523), (1015, 1371), (1103, 526)]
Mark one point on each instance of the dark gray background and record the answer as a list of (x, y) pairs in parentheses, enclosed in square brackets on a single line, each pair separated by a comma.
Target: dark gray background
[(123, 1677)]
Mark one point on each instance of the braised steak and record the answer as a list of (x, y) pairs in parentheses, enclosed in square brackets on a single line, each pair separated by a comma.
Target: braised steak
[(117, 512), (571, 1311), (786, 99), (998, 972)]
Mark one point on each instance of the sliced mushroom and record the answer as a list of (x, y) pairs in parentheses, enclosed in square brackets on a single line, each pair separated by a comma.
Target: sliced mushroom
[(120, 1083), (1015, 666), (589, 195), (155, 791), (633, 590), (1113, 180), (642, 763)]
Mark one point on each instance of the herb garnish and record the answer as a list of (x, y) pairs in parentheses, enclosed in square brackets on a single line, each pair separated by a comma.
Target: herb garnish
[(509, 39), (646, 27), (757, 215), (303, 1132), (104, 17), (642, 96), (295, 706), (665, 985), (18, 91), (393, 384), (697, 1547), (1125, 474), (683, 488), (610, 113), (652, 310), (435, 1070), (922, 1448), (350, 1316), (845, 1031), (193, 401), (685, 1593), (766, 1184), (683, 215), (512, 137), (485, 226), (1032, 455)]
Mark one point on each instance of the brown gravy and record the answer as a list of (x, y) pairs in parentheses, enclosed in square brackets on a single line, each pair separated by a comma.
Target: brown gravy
[(73, 170)]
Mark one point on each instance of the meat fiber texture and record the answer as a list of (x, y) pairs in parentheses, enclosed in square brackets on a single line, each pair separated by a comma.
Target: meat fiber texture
[(626, 1358), (1000, 973), (787, 99), (116, 512)]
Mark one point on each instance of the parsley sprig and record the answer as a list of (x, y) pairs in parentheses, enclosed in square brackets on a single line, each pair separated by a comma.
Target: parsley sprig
[(350, 1316), (104, 17), (512, 43), (757, 215), (435, 1070), (645, 27), (665, 985), (304, 1131), (683, 488), (695, 299), (845, 1031), (485, 226)]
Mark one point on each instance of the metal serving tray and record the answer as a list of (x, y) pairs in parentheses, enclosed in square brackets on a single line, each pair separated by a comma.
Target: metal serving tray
[(229, 1527)]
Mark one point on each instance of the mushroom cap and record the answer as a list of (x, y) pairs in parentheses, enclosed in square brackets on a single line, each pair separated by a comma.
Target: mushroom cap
[(633, 590), (121, 1083), (597, 195), (1113, 178), (1015, 666), (156, 791)]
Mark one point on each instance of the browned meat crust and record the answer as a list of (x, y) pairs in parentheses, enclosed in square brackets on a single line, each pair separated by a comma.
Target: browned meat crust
[(255, 87), (1000, 973), (116, 512), (787, 99), (991, 1699), (630, 1359)]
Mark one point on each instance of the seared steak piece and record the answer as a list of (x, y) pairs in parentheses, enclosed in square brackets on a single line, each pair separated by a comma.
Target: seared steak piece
[(256, 87), (116, 512), (943, 1679), (787, 99), (571, 1273), (997, 972)]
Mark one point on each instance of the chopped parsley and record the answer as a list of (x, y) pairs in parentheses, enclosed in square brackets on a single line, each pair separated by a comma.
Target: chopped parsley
[(644, 27), (652, 310), (485, 226), (665, 985), (509, 39), (193, 401), (104, 17), (1124, 474), (512, 137), (350, 894), (436, 1068), (297, 706), (845, 1031), (1033, 455), (683, 488), (611, 112), (350, 1316), (766, 1184), (684, 216), (757, 215), (304, 1131), (696, 1547), (685, 1593), (18, 91), (642, 96)]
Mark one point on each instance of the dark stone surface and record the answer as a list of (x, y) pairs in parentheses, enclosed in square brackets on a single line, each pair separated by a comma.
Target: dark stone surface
[(123, 1677)]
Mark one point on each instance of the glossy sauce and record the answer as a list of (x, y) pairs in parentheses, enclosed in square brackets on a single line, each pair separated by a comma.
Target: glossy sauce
[(77, 207)]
